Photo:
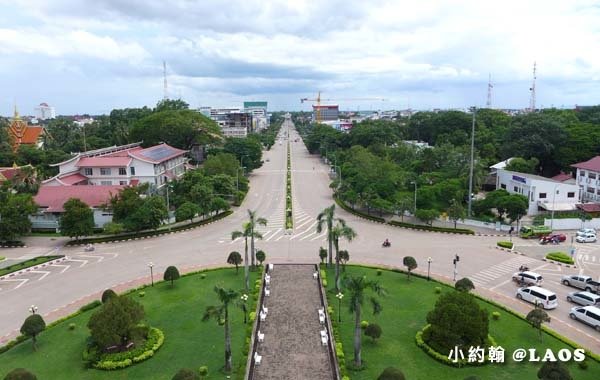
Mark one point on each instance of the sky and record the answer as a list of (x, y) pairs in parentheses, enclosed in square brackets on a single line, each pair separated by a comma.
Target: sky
[(93, 56)]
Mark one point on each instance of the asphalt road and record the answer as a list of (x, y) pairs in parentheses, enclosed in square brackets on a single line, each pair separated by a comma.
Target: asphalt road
[(61, 289)]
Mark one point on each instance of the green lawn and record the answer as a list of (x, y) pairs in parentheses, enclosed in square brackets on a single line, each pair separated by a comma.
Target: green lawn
[(177, 311), (27, 264), (404, 311)]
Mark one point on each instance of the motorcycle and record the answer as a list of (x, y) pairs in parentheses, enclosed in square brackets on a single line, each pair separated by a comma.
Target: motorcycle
[(89, 248), (386, 244)]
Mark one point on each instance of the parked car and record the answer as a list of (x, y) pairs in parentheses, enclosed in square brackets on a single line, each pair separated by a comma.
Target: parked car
[(553, 238), (528, 278), (538, 296), (584, 298), (584, 231), (587, 314), (586, 238), (581, 282)]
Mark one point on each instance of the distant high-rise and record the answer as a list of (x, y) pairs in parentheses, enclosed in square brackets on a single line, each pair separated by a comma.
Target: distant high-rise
[(260, 117), (45, 112)]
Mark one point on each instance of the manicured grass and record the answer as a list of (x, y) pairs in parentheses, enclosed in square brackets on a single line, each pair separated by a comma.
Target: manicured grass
[(404, 311), (27, 264), (177, 311)]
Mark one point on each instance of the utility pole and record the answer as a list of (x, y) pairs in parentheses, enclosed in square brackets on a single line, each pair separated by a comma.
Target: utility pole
[(488, 104), (471, 167), (532, 89)]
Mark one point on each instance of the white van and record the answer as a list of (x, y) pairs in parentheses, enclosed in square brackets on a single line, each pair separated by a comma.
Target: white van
[(540, 296), (587, 314)]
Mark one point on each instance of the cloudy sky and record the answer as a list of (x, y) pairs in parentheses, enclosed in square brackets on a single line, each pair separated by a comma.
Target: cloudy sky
[(93, 56)]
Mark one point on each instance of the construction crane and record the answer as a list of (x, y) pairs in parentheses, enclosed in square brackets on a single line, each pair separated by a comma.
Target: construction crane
[(318, 100)]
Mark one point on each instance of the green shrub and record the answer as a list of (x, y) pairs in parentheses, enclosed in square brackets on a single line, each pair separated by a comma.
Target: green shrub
[(364, 324), (496, 315), (583, 364), (463, 231), (90, 306), (505, 244), (72, 326), (252, 316), (119, 360), (323, 274), (324, 283), (561, 257), (203, 371), (379, 272), (438, 289), (142, 294), (202, 276), (20, 374), (2, 258)]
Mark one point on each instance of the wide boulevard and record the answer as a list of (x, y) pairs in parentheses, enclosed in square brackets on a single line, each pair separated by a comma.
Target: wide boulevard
[(60, 289)]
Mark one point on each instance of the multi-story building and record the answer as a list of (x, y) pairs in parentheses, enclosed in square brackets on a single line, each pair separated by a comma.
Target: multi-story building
[(327, 113), (121, 165), (260, 117), (232, 121), (544, 194), (588, 179), (45, 112)]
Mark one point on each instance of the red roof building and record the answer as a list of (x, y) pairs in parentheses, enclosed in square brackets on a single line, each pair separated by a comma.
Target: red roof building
[(591, 164), (588, 179), (21, 133), (51, 199)]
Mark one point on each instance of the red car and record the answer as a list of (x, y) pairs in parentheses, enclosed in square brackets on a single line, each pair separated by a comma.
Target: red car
[(553, 238)]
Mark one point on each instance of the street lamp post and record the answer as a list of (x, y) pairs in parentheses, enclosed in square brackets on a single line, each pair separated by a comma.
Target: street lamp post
[(454, 261), (244, 298), (33, 309), (415, 183), (339, 296), (429, 260), (471, 167), (151, 265), (554, 192), (339, 171)]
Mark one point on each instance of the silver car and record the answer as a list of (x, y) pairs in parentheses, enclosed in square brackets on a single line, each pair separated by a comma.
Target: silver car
[(584, 298)]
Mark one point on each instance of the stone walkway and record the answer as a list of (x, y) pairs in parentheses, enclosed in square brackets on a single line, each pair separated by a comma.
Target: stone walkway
[(292, 346)]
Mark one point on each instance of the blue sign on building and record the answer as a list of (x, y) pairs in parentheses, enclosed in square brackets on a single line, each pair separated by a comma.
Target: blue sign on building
[(519, 179)]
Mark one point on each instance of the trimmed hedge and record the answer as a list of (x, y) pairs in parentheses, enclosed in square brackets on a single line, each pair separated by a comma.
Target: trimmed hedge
[(134, 235), (344, 206), (462, 231), (444, 358), (120, 360), (561, 257), (12, 244), (505, 244)]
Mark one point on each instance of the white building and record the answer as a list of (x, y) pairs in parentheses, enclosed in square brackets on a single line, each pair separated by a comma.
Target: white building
[(260, 117), (544, 194), (588, 179), (121, 165), (45, 112)]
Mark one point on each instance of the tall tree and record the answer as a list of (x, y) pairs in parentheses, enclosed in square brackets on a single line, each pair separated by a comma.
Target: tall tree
[(15, 210), (77, 220), (340, 231), (254, 222), (113, 323), (246, 233), (171, 274), (326, 218), (410, 263), (456, 211), (221, 314), (356, 287)]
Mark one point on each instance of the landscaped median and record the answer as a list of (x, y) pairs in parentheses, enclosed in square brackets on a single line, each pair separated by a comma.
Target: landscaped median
[(289, 220), (26, 265), (560, 257), (146, 234), (175, 310), (404, 314)]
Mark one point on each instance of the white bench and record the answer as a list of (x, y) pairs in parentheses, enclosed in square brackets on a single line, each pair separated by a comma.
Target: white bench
[(263, 316), (267, 292), (257, 358), (315, 275), (265, 309), (261, 336)]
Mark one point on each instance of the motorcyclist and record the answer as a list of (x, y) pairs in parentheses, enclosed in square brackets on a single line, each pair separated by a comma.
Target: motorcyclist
[(386, 243)]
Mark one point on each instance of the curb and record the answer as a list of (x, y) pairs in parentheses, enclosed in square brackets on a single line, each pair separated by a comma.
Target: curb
[(559, 263), (33, 268)]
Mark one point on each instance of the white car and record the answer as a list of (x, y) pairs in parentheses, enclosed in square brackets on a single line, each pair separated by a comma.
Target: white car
[(587, 314), (586, 238), (584, 231), (584, 298)]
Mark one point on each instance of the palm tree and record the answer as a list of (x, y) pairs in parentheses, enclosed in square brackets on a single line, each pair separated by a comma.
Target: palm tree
[(221, 315), (327, 217), (246, 233), (254, 221), (355, 287), (340, 230)]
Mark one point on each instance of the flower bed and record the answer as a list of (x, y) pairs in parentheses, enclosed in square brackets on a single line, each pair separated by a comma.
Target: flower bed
[(561, 257)]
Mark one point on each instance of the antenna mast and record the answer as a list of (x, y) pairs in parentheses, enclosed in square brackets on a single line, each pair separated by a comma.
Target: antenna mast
[(532, 89), (165, 95), (488, 104)]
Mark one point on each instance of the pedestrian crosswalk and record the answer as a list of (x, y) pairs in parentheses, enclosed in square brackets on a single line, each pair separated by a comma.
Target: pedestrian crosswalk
[(304, 227), (503, 270)]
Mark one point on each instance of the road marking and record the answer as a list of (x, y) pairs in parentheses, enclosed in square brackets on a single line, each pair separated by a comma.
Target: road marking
[(42, 272), (79, 261), (501, 284), (235, 240), (21, 280), (309, 235), (64, 266), (307, 221), (275, 233), (100, 258)]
